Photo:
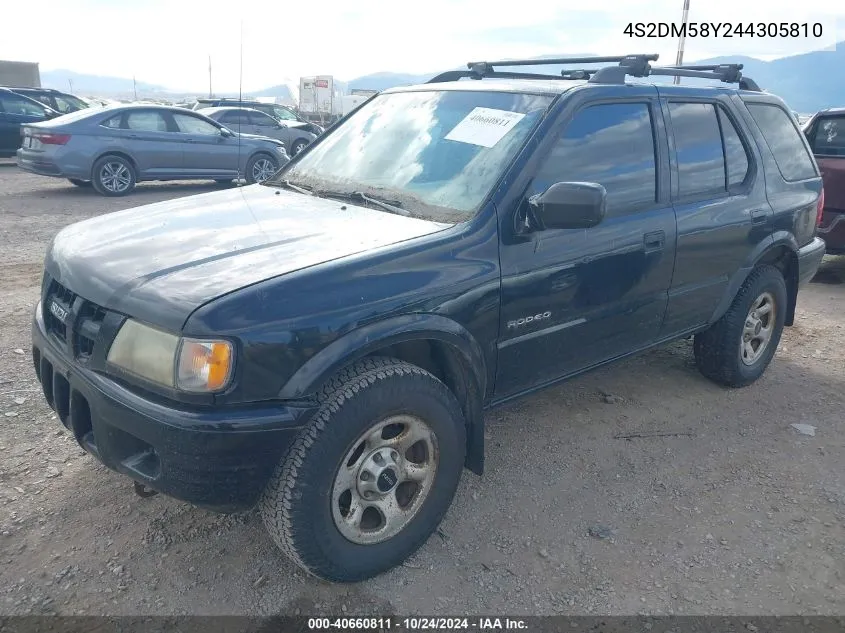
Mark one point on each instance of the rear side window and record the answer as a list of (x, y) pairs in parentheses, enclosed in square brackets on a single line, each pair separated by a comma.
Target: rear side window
[(784, 139), (236, 117), (146, 122), (698, 146), (612, 145), (736, 155), (829, 138), (113, 122)]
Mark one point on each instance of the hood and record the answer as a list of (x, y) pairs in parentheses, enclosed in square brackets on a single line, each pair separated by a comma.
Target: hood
[(160, 262)]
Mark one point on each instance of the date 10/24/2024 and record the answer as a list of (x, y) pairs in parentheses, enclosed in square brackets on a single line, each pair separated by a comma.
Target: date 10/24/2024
[(724, 29), (481, 624)]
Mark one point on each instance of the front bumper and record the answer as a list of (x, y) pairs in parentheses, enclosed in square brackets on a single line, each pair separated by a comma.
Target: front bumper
[(809, 259), (218, 458)]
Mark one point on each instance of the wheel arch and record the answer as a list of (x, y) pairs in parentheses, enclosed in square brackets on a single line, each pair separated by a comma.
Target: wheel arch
[(435, 343), (122, 154), (781, 251)]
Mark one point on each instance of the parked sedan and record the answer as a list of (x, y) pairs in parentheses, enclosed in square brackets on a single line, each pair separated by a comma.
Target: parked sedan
[(114, 148), (16, 111), (293, 134)]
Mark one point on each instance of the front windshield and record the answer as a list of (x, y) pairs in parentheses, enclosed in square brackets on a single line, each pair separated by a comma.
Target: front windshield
[(283, 114), (436, 153)]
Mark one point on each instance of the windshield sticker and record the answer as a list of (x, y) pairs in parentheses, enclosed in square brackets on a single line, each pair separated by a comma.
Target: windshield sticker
[(484, 126)]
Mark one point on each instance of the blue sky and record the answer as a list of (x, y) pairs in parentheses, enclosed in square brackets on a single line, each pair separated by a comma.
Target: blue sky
[(168, 42)]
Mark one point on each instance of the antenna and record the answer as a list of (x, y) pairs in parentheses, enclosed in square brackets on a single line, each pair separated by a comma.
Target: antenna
[(210, 94), (681, 41), (240, 96)]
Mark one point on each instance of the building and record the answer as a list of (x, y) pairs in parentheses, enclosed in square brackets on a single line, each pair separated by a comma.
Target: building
[(20, 74)]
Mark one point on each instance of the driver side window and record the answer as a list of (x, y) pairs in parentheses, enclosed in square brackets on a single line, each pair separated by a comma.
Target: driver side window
[(612, 145)]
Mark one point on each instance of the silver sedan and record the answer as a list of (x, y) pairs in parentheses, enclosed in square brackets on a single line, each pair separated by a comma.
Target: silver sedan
[(294, 134)]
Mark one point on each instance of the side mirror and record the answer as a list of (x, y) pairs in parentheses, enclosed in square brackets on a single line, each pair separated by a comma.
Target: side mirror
[(226, 133), (569, 205)]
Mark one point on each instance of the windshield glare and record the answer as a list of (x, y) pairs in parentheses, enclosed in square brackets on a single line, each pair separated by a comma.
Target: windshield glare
[(437, 153)]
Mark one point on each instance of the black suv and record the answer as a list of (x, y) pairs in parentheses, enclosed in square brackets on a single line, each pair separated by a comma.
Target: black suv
[(325, 344), (276, 111), (16, 110)]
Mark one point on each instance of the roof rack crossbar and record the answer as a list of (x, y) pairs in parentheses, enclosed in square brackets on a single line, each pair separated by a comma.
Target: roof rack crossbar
[(455, 75), (561, 60), (727, 73)]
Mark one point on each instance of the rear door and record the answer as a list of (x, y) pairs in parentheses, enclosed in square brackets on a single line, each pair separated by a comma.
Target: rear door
[(575, 298), (827, 138), (152, 143), (16, 111), (205, 151), (719, 199)]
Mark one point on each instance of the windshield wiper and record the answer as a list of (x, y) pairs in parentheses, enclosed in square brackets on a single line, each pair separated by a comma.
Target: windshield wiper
[(392, 206), (287, 184)]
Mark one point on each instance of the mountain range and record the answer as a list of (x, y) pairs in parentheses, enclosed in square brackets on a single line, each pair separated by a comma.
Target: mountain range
[(808, 82)]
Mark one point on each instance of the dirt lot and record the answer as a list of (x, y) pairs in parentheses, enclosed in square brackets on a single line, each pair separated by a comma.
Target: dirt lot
[(732, 511)]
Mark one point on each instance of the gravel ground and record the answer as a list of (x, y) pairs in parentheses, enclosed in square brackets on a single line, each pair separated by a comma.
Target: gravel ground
[(639, 488)]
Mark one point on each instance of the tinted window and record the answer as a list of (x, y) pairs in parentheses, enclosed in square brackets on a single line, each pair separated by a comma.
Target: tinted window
[(259, 118), (784, 139), (20, 105), (193, 125), (146, 121), (698, 146), (612, 145), (113, 122), (236, 117), (829, 139), (736, 154)]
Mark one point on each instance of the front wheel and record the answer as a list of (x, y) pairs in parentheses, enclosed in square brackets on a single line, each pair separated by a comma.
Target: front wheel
[(372, 475), (113, 176), (261, 167), (298, 146), (738, 348)]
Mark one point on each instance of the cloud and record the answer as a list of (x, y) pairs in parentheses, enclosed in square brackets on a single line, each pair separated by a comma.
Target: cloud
[(169, 42)]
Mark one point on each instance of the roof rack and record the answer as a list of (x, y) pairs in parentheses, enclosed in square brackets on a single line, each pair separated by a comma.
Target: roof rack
[(628, 65), (727, 73), (487, 70)]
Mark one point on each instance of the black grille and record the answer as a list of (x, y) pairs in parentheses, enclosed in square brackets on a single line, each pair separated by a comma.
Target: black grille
[(57, 292), (82, 323)]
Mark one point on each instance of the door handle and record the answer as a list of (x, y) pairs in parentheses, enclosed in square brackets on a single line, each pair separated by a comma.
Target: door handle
[(759, 216), (654, 241)]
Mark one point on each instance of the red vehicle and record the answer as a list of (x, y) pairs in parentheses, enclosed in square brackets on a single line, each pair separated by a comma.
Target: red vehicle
[(826, 133)]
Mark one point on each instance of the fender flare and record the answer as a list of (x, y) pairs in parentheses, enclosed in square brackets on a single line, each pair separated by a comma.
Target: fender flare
[(777, 240), (365, 340)]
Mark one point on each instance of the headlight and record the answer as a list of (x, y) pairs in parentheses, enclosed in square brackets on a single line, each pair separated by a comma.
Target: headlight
[(193, 365)]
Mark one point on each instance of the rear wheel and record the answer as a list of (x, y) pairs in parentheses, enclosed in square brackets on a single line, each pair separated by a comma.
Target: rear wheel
[(80, 183), (738, 348), (113, 176), (371, 476), (261, 167)]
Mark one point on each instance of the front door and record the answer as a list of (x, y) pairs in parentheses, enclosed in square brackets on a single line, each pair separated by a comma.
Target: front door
[(575, 298)]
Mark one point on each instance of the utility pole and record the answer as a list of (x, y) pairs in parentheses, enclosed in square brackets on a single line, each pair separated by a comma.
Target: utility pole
[(134, 87), (209, 77), (70, 84), (680, 58)]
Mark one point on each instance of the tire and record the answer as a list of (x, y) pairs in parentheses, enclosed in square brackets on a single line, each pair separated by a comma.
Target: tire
[(260, 164), (79, 183), (224, 181), (722, 353), (357, 401), (113, 176), (298, 146)]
